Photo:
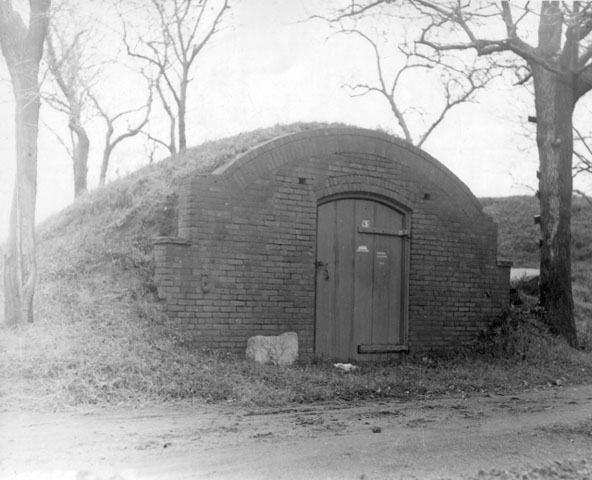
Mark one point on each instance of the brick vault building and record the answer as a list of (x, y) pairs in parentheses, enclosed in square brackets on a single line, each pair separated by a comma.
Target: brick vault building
[(359, 242)]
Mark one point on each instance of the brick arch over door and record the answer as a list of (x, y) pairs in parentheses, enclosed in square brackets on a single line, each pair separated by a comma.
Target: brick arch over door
[(372, 186), (245, 260)]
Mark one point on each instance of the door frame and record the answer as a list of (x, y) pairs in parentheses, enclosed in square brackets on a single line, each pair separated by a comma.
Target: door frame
[(406, 212)]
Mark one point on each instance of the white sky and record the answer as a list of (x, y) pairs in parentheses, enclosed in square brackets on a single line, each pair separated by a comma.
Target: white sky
[(268, 67)]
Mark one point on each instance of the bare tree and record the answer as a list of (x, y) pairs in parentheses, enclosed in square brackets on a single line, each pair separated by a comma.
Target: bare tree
[(80, 69), (22, 48), (169, 49), (554, 47), (171, 143), (66, 63), (112, 122)]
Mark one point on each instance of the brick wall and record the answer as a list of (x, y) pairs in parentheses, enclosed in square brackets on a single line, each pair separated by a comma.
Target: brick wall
[(244, 262)]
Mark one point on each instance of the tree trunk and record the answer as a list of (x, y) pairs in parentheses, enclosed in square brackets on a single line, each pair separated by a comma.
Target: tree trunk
[(555, 100), (182, 113), (20, 263), (104, 166), (13, 313), (106, 152), (23, 48), (80, 157)]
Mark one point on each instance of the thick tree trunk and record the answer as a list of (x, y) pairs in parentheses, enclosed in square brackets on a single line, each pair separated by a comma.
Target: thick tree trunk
[(13, 314), (20, 262), (555, 101), (23, 48)]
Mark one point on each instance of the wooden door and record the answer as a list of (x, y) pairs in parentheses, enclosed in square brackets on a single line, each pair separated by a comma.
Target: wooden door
[(359, 279)]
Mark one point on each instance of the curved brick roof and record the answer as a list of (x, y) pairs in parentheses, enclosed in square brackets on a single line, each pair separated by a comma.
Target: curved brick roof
[(272, 154)]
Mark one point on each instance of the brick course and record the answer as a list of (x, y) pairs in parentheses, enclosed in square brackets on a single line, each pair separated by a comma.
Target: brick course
[(243, 264)]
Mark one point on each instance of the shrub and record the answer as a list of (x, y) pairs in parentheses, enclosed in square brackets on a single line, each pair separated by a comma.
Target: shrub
[(518, 333)]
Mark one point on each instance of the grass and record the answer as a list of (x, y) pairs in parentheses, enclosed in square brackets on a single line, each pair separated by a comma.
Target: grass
[(100, 337), (582, 429), (96, 361), (572, 470)]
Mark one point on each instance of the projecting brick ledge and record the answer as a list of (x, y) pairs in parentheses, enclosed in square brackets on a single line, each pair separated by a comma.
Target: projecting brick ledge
[(505, 263)]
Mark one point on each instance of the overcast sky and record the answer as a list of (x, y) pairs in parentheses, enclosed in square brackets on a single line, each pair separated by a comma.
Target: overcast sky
[(268, 66)]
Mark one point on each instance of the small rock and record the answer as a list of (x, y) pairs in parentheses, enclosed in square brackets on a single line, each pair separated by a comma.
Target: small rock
[(376, 429), (346, 367)]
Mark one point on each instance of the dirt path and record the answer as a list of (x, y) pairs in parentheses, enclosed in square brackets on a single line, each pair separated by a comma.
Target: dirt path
[(451, 437)]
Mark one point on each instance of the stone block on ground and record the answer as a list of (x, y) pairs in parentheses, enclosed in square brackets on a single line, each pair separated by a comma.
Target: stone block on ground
[(277, 350)]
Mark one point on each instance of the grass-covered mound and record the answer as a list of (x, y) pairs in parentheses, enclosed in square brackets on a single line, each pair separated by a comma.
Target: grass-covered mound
[(100, 338), (105, 359)]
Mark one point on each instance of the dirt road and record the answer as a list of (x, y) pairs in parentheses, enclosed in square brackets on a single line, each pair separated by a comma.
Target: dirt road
[(432, 438)]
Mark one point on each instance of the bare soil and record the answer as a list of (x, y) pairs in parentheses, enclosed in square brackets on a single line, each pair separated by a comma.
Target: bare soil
[(448, 437)]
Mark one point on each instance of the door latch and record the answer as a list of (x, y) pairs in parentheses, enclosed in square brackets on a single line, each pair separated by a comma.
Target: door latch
[(320, 264)]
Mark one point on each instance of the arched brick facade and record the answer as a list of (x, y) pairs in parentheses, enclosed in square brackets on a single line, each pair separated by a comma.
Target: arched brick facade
[(245, 260)]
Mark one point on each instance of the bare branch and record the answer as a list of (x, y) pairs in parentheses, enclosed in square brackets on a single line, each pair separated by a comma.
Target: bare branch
[(354, 10), (453, 102), (513, 43), (197, 48), (161, 63), (60, 140), (386, 91), (412, 61), (585, 161), (583, 140), (185, 27), (157, 140), (111, 143), (524, 79)]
